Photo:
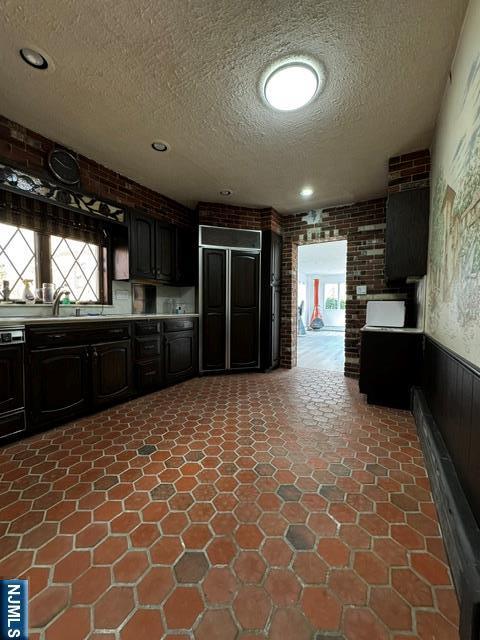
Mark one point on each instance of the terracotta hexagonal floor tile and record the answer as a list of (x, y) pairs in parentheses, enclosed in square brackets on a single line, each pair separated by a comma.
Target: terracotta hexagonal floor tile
[(91, 585), (155, 585), (183, 607), (191, 567), (432, 625), (110, 550), (196, 536), (252, 606), (216, 625), (47, 604), (130, 567), (333, 552), (248, 536), (112, 609), (276, 552), (370, 568), (144, 535), (300, 537), (166, 550), (289, 624), (221, 550), (310, 568), (430, 568), (219, 585), (361, 624), (249, 567), (348, 587), (72, 566), (321, 608), (145, 624), (391, 609), (413, 589), (75, 619), (283, 587)]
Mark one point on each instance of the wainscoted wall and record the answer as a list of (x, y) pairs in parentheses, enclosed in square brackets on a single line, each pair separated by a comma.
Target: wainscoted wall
[(452, 390), (28, 150), (453, 300)]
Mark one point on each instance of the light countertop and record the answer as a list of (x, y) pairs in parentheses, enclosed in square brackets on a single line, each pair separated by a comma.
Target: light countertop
[(19, 320), (392, 329)]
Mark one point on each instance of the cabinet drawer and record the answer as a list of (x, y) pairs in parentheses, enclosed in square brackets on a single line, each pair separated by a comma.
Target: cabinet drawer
[(147, 328), (68, 335), (12, 424), (149, 374), (147, 347), (182, 324)]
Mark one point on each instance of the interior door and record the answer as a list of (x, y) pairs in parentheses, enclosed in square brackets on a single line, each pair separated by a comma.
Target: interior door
[(213, 309), (244, 309)]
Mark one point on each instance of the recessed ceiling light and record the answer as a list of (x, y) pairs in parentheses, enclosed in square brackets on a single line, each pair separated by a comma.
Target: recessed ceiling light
[(226, 192), (306, 192), (160, 146), (33, 58), (291, 86)]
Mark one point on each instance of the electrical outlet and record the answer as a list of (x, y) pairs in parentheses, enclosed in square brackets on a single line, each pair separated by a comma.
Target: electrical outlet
[(361, 289)]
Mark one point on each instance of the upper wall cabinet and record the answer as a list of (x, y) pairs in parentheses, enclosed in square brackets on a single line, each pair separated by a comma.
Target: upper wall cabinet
[(407, 234), (158, 251)]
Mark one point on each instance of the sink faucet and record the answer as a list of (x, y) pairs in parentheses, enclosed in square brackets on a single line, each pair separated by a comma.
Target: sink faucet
[(56, 300)]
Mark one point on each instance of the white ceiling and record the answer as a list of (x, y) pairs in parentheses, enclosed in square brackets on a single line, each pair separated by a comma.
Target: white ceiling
[(188, 72), (324, 258)]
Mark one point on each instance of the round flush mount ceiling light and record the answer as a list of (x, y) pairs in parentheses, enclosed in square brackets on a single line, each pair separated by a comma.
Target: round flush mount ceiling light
[(34, 58), (226, 192), (306, 192), (160, 146), (292, 85)]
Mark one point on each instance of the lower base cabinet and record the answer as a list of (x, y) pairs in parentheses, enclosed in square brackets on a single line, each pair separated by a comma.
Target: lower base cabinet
[(111, 372), (59, 385), (181, 360)]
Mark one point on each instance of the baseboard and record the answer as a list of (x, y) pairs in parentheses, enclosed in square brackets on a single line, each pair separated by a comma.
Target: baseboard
[(459, 528)]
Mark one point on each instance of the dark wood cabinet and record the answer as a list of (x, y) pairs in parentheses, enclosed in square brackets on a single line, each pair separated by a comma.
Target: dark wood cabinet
[(271, 294), (142, 247), (58, 384), (406, 234), (156, 251), (111, 372), (165, 253), (181, 355), (186, 257), (390, 364), (244, 310), (11, 378), (214, 309)]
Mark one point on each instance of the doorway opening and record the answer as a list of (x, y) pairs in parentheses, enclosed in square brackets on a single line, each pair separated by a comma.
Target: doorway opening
[(321, 300)]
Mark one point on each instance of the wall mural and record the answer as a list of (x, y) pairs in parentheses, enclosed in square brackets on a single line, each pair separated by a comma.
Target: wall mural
[(453, 299)]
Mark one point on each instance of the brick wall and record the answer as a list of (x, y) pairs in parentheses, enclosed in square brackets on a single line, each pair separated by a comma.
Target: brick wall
[(223, 215), (28, 150), (409, 171)]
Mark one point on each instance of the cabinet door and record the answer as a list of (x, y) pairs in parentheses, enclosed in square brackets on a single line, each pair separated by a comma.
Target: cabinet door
[(244, 309), (276, 321), (11, 378), (276, 259), (149, 375), (406, 235), (142, 247), (186, 252), (180, 355), (111, 372), (165, 253), (58, 384), (213, 309)]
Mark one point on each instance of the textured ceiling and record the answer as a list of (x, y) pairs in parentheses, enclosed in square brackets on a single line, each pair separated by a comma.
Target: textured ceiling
[(188, 72), (323, 257)]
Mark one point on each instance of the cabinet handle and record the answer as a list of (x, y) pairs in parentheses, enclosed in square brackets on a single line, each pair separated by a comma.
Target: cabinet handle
[(148, 347), (150, 373), (94, 354), (115, 331), (57, 336)]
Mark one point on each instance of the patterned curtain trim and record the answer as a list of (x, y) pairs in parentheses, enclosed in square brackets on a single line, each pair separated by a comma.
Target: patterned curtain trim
[(48, 219)]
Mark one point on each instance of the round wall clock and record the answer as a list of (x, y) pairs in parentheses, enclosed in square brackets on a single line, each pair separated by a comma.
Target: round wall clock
[(64, 166)]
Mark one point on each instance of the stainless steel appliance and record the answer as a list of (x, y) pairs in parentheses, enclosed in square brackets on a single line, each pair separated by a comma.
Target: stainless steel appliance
[(229, 300), (12, 381)]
